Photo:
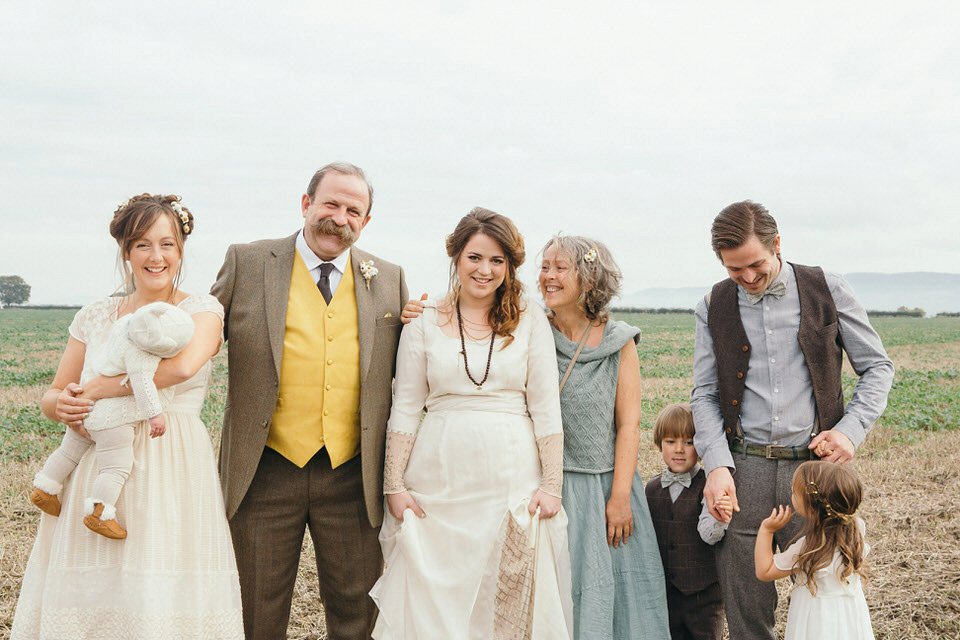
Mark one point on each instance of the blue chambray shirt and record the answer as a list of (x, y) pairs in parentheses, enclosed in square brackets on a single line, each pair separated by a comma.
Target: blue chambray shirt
[(778, 405)]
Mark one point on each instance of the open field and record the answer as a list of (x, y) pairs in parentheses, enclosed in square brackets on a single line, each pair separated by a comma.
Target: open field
[(912, 506)]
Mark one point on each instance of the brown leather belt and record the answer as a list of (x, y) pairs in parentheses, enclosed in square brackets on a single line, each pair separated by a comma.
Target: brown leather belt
[(772, 451)]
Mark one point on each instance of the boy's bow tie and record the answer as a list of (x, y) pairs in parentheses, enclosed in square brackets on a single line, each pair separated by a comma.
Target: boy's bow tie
[(668, 477)]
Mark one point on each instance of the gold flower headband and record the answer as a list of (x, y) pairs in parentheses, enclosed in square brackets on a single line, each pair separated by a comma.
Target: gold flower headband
[(814, 492), (177, 209)]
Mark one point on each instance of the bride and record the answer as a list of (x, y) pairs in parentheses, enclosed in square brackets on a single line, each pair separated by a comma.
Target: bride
[(475, 537), (174, 576)]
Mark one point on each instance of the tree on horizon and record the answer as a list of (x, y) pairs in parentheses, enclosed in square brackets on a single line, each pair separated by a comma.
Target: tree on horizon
[(13, 290)]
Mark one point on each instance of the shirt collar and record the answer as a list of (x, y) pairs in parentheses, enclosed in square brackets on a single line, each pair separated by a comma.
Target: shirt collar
[(786, 273), (785, 276), (313, 261)]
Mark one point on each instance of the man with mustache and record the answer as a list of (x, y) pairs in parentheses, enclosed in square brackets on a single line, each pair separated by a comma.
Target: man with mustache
[(313, 325)]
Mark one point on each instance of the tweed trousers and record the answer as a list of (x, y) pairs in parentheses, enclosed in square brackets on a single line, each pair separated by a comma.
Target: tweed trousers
[(268, 528), (750, 604)]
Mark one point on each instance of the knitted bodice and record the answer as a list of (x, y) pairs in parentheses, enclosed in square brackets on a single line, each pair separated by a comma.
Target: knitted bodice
[(588, 398)]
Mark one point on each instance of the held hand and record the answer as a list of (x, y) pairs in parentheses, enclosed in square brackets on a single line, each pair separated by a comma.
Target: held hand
[(832, 446), (619, 521), (777, 519), (725, 507), (158, 425), (398, 503), (72, 410), (549, 505), (412, 309), (720, 484)]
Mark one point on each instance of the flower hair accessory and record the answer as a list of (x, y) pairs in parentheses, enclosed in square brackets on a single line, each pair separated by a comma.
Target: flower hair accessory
[(815, 496), (590, 256), (368, 271), (184, 218)]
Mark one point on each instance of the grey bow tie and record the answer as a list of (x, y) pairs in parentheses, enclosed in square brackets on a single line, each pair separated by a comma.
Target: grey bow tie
[(668, 477), (777, 288)]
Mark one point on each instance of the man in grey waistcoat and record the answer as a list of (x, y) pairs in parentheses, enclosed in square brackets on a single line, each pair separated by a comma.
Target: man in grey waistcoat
[(768, 395)]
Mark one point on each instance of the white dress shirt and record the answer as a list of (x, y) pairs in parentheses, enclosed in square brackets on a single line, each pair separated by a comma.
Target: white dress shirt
[(313, 263)]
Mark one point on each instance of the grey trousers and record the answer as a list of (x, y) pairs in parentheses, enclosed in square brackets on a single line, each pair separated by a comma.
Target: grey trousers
[(283, 500), (749, 603)]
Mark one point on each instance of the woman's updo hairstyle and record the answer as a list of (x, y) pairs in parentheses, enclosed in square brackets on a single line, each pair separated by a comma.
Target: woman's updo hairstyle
[(505, 313), (597, 274), (133, 219)]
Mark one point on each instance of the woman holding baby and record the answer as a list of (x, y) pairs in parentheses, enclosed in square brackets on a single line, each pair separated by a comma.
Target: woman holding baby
[(174, 574)]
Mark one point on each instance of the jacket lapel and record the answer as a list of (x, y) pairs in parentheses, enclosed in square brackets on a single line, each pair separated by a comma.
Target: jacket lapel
[(276, 286), (366, 319)]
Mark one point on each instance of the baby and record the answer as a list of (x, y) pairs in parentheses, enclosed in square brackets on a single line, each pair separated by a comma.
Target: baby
[(685, 529), (136, 344)]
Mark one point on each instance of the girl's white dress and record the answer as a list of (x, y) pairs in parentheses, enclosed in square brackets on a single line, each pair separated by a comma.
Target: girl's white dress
[(478, 566), (838, 611), (175, 575)]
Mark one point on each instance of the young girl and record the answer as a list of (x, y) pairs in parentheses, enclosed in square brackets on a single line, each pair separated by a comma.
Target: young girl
[(826, 561)]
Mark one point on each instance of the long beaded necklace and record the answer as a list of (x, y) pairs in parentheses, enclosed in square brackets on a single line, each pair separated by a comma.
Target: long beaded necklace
[(463, 350)]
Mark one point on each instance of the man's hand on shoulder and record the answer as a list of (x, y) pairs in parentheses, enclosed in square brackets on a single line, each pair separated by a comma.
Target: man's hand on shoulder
[(412, 310)]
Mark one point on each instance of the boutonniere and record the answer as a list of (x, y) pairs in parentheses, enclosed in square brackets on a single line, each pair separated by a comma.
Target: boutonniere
[(368, 271)]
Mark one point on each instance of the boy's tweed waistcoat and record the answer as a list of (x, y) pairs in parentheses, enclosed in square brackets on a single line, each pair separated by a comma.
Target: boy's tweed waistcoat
[(688, 562)]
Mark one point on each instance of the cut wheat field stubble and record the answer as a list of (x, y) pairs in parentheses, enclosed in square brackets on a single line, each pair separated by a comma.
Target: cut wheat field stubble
[(908, 463)]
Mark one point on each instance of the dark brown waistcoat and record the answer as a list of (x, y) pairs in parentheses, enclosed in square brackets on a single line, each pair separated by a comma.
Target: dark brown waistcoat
[(689, 563), (818, 334)]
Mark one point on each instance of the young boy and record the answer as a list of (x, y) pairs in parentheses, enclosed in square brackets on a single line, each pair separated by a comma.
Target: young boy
[(686, 530)]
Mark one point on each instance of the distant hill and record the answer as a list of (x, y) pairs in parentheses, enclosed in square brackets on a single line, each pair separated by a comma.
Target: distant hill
[(932, 292)]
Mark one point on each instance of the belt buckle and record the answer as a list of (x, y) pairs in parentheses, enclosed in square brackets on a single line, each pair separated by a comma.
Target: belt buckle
[(768, 452)]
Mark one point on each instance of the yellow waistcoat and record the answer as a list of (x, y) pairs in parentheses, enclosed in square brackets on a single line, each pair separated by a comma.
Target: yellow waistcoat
[(318, 403)]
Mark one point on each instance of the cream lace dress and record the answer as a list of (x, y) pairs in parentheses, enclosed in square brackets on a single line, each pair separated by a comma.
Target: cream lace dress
[(478, 566), (175, 575)]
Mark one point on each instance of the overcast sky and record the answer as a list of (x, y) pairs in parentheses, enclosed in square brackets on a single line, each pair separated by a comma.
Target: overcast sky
[(634, 122)]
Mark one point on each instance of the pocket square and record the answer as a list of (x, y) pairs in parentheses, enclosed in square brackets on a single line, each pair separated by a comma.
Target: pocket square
[(388, 315)]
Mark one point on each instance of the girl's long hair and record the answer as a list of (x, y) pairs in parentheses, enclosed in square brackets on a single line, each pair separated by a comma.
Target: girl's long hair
[(831, 494), (505, 312)]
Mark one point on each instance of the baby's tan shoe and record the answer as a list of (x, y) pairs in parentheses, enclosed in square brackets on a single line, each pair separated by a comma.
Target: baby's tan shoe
[(109, 527), (46, 502)]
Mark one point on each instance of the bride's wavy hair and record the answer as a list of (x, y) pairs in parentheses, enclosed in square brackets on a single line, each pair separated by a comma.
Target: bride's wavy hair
[(505, 312), (829, 494), (133, 219)]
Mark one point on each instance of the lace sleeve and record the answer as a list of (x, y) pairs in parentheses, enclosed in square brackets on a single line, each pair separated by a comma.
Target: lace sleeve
[(204, 302), (91, 318), (409, 397), (399, 446), (199, 302), (551, 463)]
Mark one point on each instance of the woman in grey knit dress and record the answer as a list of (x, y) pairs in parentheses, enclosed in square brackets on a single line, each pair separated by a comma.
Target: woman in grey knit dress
[(618, 586)]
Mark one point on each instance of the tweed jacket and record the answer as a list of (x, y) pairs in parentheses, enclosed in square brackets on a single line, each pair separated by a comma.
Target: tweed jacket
[(253, 286)]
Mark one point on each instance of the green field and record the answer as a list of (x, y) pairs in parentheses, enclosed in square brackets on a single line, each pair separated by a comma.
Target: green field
[(912, 508), (926, 393)]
